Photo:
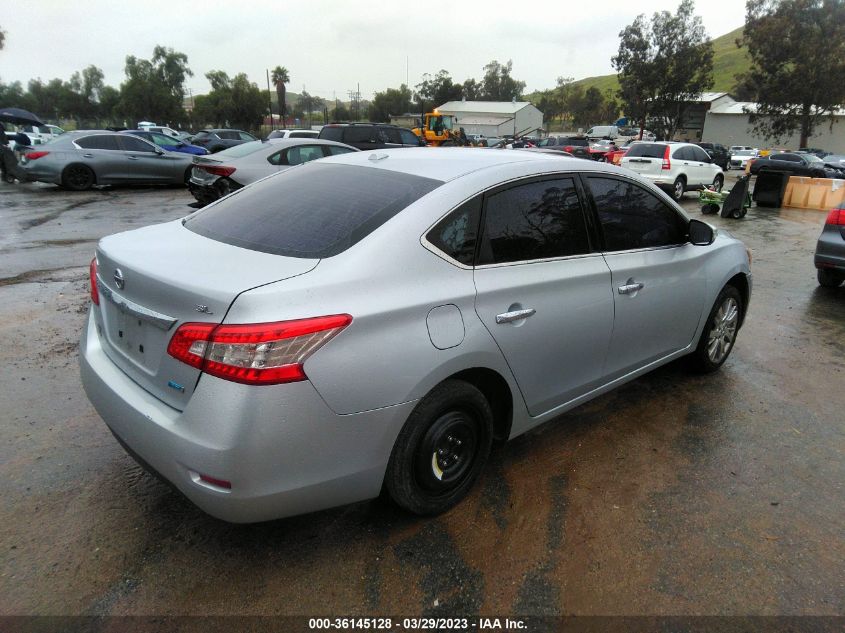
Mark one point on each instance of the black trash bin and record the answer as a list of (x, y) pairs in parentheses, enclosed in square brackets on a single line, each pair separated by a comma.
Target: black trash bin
[(770, 187)]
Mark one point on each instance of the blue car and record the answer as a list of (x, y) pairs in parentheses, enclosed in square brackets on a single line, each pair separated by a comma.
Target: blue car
[(168, 143)]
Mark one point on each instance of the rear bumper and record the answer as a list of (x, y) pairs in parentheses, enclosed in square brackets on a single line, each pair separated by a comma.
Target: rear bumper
[(283, 449), (830, 249)]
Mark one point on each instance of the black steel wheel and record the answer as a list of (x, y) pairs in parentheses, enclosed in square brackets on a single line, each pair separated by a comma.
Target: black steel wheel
[(78, 178), (441, 450)]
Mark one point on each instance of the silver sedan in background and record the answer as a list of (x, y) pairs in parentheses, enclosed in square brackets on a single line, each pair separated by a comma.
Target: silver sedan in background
[(375, 320), (216, 175), (79, 160)]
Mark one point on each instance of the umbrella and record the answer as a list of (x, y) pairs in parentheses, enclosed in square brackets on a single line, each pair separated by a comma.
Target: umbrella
[(16, 115)]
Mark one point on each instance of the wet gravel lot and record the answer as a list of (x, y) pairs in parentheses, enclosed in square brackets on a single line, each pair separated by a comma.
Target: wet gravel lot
[(676, 494)]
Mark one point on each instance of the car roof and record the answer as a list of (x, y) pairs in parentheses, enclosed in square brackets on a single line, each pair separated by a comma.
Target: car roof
[(448, 163)]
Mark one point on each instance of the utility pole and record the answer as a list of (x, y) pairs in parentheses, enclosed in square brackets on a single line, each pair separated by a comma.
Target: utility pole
[(270, 101)]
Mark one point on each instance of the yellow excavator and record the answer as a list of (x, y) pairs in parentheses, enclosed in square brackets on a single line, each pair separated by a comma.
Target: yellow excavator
[(440, 130)]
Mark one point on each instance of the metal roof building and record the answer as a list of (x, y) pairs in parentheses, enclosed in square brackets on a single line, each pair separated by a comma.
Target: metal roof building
[(494, 118)]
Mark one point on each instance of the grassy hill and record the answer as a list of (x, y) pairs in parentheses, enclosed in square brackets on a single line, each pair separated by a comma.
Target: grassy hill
[(728, 61)]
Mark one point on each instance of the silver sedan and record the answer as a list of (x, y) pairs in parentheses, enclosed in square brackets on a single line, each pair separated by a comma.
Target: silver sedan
[(375, 320), (80, 160), (217, 175)]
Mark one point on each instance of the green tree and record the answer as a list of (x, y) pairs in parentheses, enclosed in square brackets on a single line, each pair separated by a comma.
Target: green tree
[(663, 65), (498, 85), (308, 104), (280, 76), (391, 101), (471, 90), (797, 51), (232, 101), (154, 89), (340, 112), (434, 91)]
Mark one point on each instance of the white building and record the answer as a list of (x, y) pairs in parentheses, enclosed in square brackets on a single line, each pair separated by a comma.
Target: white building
[(728, 123), (495, 118)]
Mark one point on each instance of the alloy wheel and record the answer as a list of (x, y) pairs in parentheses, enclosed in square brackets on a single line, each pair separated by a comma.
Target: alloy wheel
[(723, 330)]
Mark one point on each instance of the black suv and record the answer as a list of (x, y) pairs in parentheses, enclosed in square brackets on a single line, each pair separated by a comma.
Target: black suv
[(370, 135), (578, 146), (719, 153)]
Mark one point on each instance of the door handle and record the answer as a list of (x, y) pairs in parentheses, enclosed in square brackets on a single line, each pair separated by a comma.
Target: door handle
[(630, 287), (88, 156), (516, 315), (133, 158)]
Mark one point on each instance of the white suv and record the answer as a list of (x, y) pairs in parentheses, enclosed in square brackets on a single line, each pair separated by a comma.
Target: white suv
[(677, 167)]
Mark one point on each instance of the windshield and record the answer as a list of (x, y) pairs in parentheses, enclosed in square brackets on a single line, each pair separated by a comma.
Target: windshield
[(647, 150), (812, 158)]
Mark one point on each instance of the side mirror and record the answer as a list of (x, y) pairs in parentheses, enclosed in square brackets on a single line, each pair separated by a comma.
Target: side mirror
[(159, 151), (700, 233)]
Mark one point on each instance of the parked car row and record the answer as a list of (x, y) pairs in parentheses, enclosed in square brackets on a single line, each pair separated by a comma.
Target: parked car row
[(798, 164)]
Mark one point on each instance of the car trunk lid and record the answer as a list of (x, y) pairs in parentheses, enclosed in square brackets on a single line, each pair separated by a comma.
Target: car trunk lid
[(153, 280)]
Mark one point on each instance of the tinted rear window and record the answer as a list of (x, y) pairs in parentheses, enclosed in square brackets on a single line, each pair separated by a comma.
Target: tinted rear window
[(313, 211), (332, 133), (580, 142), (647, 150)]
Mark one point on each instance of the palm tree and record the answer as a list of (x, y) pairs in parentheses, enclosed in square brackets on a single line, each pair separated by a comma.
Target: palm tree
[(280, 77)]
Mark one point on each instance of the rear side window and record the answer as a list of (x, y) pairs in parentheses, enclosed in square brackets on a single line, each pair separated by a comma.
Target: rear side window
[(246, 137), (360, 135), (408, 137), (131, 143), (535, 220), (647, 150), (632, 217), (303, 154), (682, 153), (575, 142), (456, 234), (335, 150), (100, 141), (315, 211), (332, 133)]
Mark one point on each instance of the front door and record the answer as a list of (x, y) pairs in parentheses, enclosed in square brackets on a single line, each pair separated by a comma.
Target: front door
[(657, 277)]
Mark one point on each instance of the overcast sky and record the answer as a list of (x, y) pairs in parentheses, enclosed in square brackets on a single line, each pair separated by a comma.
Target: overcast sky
[(329, 46)]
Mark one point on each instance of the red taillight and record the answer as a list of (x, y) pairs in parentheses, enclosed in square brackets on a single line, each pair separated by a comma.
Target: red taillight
[(836, 217), (35, 155), (666, 163), (92, 272), (255, 353), (568, 148), (218, 170), (214, 481)]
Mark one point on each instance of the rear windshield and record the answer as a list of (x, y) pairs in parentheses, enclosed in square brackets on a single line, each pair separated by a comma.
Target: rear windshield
[(312, 211), (647, 150), (332, 133), (244, 149), (582, 142)]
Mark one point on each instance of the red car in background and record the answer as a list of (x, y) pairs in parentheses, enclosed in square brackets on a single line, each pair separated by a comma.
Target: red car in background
[(616, 155)]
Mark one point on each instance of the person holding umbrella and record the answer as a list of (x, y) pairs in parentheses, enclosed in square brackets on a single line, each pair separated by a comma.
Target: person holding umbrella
[(8, 163)]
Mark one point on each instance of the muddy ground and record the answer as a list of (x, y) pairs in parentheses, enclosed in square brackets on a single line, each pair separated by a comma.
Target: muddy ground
[(676, 494)]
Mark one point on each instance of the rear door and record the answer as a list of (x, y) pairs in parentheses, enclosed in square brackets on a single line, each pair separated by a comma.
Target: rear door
[(542, 292), (104, 156), (657, 277)]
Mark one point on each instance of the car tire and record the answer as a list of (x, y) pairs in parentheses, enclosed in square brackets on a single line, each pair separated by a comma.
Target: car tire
[(718, 183), (709, 208), (441, 449), (78, 178), (829, 278), (720, 331), (678, 188), (187, 177)]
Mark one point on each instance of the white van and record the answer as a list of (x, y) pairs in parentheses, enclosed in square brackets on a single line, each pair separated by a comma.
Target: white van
[(603, 131)]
